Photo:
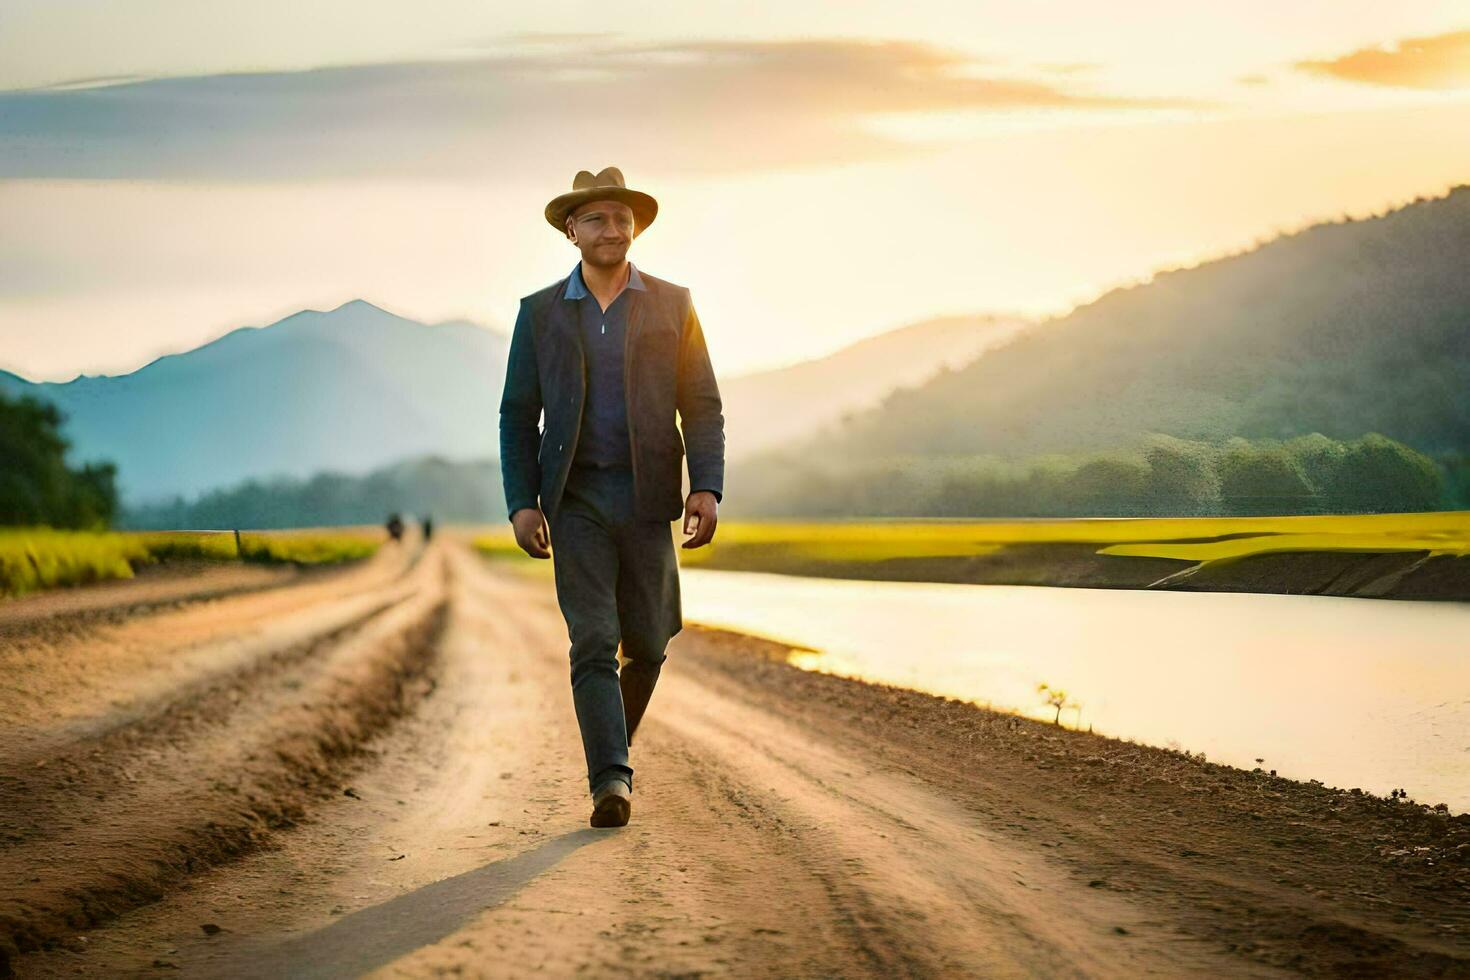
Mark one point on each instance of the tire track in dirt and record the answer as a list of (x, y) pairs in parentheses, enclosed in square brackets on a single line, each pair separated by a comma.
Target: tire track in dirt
[(171, 585), (177, 584), (690, 887), (466, 847), (133, 816), (784, 824), (748, 825), (753, 850), (88, 665), (704, 880), (468, 781), (209, 699)]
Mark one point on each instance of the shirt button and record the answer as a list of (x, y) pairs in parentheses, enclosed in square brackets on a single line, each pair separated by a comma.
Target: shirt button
[(558, 447)]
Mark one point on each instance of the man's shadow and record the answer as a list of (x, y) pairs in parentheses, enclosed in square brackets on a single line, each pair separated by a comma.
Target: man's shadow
[(379, 934)]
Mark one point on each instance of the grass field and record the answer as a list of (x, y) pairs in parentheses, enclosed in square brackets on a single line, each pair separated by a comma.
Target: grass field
[(309, 546), (1047, 551), (1187, 538), (33, 558)]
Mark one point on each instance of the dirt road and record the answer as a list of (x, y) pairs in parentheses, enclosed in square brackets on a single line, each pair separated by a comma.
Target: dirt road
[(376, 771)]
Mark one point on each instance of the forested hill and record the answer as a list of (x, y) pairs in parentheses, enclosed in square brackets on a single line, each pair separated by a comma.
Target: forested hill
[(1344, 328)]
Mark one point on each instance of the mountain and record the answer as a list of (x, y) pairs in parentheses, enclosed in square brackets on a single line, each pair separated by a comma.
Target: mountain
[(765, 408), (346, 389), (1344, 328), (358, 387)]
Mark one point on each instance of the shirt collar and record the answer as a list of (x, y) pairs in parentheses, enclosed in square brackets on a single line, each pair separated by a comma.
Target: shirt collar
[(576, 288)]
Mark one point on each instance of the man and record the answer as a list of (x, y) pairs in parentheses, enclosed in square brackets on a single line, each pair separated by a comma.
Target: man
[(610, 354)]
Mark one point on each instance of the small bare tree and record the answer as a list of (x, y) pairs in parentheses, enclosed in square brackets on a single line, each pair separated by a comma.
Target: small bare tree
[(1057, 698)]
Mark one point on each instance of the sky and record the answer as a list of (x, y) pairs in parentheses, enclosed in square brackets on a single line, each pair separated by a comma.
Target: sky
[(173, 169)]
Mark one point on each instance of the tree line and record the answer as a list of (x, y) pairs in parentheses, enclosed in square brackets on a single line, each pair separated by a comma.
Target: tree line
[(1160, 475), (36, 484), (453, 492)]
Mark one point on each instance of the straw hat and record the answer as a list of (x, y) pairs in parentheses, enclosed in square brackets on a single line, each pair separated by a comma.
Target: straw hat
[(606, 185)]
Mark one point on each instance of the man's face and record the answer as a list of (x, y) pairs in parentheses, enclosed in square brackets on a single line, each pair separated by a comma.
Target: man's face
[(602, 230)]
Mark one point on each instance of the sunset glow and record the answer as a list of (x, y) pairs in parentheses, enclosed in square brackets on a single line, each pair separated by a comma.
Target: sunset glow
[(158, 193)]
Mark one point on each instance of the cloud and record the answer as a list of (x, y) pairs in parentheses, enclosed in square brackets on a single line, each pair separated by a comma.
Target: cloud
[(1070, 67), (688, 107), (1438, 62)]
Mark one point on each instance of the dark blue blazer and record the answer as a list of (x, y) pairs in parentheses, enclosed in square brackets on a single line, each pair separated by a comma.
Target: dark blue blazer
[(666, 370)]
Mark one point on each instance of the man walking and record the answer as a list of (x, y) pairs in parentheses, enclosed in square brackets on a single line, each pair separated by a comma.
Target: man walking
[(610, 354)]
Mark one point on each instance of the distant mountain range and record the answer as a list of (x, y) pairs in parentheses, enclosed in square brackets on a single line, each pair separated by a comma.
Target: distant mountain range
[(357, 388), (1344, 328), (349, 389)]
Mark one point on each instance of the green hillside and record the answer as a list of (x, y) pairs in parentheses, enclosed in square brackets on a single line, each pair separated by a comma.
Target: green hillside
[(1343, 329), (1325, 371)]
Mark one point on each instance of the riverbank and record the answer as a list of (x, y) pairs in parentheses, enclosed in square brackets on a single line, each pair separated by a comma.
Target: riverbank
[(1375, 575), (1311, 878), (1379, 556)]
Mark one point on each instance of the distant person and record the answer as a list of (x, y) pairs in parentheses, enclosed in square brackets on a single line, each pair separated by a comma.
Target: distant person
[(395, 527), (428, 523), (608, 467)]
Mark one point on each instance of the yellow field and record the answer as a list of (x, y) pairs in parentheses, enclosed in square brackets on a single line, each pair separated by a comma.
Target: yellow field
[(1441, 533), (309, 546), (849, 542), (500, 543), (40, 558), (33, 558)]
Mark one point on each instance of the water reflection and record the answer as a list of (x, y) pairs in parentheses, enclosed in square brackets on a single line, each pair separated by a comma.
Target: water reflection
[(1353, 692)]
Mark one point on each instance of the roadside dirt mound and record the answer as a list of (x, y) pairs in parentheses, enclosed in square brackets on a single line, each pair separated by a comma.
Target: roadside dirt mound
[(105, 814)]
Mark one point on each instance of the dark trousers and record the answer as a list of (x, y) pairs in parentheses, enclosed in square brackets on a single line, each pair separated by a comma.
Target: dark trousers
[(617, 580)]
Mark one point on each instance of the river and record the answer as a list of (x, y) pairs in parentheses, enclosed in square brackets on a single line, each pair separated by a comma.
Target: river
[(1353, 692)]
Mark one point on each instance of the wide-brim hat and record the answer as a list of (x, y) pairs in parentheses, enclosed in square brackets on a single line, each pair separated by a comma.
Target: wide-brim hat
[(606, 185)]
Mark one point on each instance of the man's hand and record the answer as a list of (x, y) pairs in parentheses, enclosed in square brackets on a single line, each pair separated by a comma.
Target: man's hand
[(531, 531), (699, 512)]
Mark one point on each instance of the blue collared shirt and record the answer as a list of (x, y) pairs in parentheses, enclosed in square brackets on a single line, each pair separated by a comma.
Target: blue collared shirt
[(604, 439)]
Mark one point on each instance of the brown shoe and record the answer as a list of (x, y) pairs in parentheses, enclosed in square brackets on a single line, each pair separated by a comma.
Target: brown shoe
[(611, 804)]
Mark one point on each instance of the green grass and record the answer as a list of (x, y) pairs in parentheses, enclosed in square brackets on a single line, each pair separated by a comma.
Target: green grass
[(500, 544), (35, 558), (1439, 532), (777, 543), (309, 547), (497, 543), (1436, 533)]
